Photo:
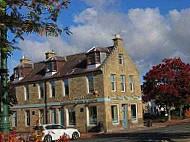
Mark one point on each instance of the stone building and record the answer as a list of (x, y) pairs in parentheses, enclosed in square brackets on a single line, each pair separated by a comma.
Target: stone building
[(100, 86)]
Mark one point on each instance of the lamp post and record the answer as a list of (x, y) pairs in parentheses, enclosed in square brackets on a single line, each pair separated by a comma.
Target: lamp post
[(4, 113)]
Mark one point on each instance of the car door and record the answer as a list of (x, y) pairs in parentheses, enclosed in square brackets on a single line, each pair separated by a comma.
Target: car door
[(58, 130)]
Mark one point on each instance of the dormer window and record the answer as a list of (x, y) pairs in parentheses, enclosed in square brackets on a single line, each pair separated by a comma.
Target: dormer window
[(51, 66), (96, 56), (16, 73)]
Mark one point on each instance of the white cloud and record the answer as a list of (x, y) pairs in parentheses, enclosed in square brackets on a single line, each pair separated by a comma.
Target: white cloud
[(148, 35)]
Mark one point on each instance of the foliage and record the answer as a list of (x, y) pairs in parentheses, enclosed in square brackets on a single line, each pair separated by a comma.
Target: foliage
[(168, 83), (30, 16), (187, 113)]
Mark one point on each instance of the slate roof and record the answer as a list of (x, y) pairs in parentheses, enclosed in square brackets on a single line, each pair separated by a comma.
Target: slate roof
[(72, 65)]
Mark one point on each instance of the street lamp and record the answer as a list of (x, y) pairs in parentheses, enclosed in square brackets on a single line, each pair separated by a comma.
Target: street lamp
[(4, 113)]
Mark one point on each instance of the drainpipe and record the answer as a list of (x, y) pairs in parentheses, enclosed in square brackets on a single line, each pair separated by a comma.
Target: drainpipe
[(45, 102)]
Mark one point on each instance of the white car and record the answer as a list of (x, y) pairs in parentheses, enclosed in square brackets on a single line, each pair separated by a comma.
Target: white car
[(53, 132)]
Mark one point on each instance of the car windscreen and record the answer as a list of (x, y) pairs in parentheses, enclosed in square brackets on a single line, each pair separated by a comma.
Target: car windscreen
[(55, 127)]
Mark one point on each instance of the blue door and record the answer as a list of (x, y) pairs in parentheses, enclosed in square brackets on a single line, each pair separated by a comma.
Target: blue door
[(125, 119)]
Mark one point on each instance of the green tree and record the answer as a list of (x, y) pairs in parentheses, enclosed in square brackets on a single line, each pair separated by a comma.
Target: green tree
[(16, 18)]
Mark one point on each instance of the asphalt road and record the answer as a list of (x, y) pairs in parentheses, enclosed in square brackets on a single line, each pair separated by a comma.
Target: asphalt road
[(177, 133)]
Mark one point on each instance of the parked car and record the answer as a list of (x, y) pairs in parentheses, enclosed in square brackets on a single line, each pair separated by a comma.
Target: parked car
[(52, 132)]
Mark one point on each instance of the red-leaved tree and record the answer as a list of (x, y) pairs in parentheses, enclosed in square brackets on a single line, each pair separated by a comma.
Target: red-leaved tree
[(168, 84)]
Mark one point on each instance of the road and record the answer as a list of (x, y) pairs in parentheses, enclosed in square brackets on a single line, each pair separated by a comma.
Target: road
[(177, 133)]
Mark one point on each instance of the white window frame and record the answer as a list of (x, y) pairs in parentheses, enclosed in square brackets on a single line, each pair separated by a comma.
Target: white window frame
[(40, 116), (67, 116), (133, 121), (59, 115), (88, 87), (63, 87), (50, 89), (51, 110), (114, 82), (64, 93), (123, 83), (131, 76), (117, 114), (120, 57), (88, 116), (39, 91), (25, 92)]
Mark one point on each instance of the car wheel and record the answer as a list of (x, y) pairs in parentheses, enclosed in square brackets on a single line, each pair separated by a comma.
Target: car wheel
[(75, 135), (48, 138)]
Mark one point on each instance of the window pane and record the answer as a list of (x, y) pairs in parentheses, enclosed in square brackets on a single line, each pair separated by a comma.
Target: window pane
[(53, 116), (114, 113), (122, 79), (121, 59), (27, 93), (41, 90), (28, 118), (71, 112), (90, 84), (52, 88), (133, 112), (113, 87), (61, 116), (66, 87), (41, 116), (92, 115), (14, 119), (131, 83)]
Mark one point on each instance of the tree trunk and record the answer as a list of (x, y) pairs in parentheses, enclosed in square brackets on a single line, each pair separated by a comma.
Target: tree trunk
[(181, 112), (169, 114)]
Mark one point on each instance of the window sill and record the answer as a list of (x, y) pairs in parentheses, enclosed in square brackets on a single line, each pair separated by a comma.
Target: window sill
[(71, 126), (134, 121), (92, 125), (115, 123)]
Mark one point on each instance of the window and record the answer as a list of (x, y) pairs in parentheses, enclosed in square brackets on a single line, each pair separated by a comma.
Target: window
[(27, 118), (71, 116), (41, 116), (122, 79), (133, 112), (114, 114), (52, 89), (120, 59), (51, 66), (66, 83), (90, 84), (61, 116), (26, 92), (113, 86), (41, 90), (16, 73), (102, 56), (92, 115), (14, 119), (131, 82), (53, 116)]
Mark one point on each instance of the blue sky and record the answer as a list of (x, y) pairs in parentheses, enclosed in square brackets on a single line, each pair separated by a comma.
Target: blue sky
[(151, 30)]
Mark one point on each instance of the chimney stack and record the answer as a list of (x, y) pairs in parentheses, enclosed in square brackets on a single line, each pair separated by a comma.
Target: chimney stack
[(118, 41), (50, 54), (24, 60)]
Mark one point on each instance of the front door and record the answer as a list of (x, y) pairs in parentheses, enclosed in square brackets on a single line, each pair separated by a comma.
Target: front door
[(125, 120)]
